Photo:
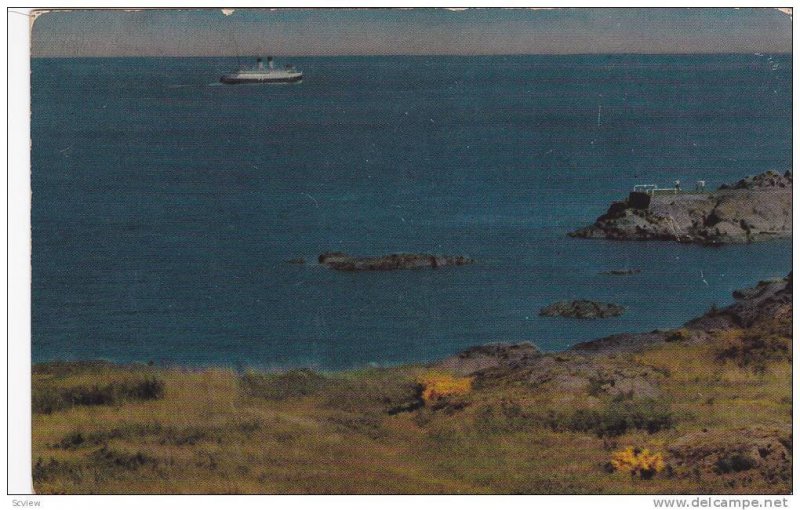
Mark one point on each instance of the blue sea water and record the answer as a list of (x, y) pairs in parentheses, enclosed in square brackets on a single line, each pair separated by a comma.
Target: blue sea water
[(165, 205)]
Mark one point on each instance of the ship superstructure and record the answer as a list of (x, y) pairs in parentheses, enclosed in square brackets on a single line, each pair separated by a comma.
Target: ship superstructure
[(263, 74)]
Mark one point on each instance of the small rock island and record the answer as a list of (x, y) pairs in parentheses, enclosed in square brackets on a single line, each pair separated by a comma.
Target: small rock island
[(582, 309), (344, 262), (754, 209)]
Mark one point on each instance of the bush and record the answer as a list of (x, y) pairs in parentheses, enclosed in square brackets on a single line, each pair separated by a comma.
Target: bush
[(49, 399), (436, 386), (112, 458), (678, 335), (53, 469), (648, 415), (79, 439), (507, 417), (755, 350), (638, 462), (156, 432), (735, 463), (616, 419)]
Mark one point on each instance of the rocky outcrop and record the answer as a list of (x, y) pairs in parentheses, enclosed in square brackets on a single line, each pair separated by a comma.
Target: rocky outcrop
[(577, 375), (600, 384), (754, 209), (768, 179), (582, 309), (491, 356), (756, 451), (623, 342), (344, 262), (769, 301)]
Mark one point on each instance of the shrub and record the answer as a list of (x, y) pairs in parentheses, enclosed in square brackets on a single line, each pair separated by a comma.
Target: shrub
[(507, 417), (616, 419), (49, 399), (79, 439), (755, 350), (638, 462), (649, 415), (436, 385), (156, 432), (53, 469), (678, 335), (734, 463), (111, 458)]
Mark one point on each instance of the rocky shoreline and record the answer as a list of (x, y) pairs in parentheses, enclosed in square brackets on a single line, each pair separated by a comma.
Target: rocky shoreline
[(711, 400), (754, 209), (767, 301), (753, 334)]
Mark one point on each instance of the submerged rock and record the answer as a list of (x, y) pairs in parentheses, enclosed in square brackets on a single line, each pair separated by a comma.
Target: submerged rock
[(621, 272), (344, 262), (582, 309)]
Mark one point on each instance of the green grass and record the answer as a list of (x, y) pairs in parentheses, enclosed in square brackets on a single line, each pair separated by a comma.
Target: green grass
[(101, 428)]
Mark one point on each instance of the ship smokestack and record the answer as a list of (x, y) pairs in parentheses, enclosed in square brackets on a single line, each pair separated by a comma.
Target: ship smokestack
[(269, 61), (259, 63)]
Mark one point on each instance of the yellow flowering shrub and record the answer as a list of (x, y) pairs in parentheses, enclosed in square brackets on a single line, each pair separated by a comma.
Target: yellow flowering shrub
[(437, 385), (638, 462)]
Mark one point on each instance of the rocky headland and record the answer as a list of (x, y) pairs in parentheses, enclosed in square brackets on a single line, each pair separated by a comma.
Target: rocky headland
[(754, 209), (344, 262)]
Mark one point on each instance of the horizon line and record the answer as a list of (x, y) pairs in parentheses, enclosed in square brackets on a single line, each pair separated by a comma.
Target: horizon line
[(426, 54)]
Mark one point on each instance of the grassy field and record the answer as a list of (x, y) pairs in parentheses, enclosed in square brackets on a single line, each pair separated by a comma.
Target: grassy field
[(719, 421)]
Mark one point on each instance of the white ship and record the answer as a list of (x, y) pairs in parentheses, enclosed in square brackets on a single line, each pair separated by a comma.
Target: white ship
[(261, 74)]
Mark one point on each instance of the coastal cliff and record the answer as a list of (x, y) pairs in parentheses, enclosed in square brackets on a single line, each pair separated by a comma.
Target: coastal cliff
[(754, 209)]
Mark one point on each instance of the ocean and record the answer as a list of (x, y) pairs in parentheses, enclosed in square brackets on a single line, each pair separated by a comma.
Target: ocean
[(166, 205)]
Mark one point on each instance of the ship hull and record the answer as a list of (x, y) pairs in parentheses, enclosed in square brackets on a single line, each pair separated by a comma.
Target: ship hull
[(235, 80)]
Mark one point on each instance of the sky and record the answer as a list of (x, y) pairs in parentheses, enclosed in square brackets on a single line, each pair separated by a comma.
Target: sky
[(302, 32)]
